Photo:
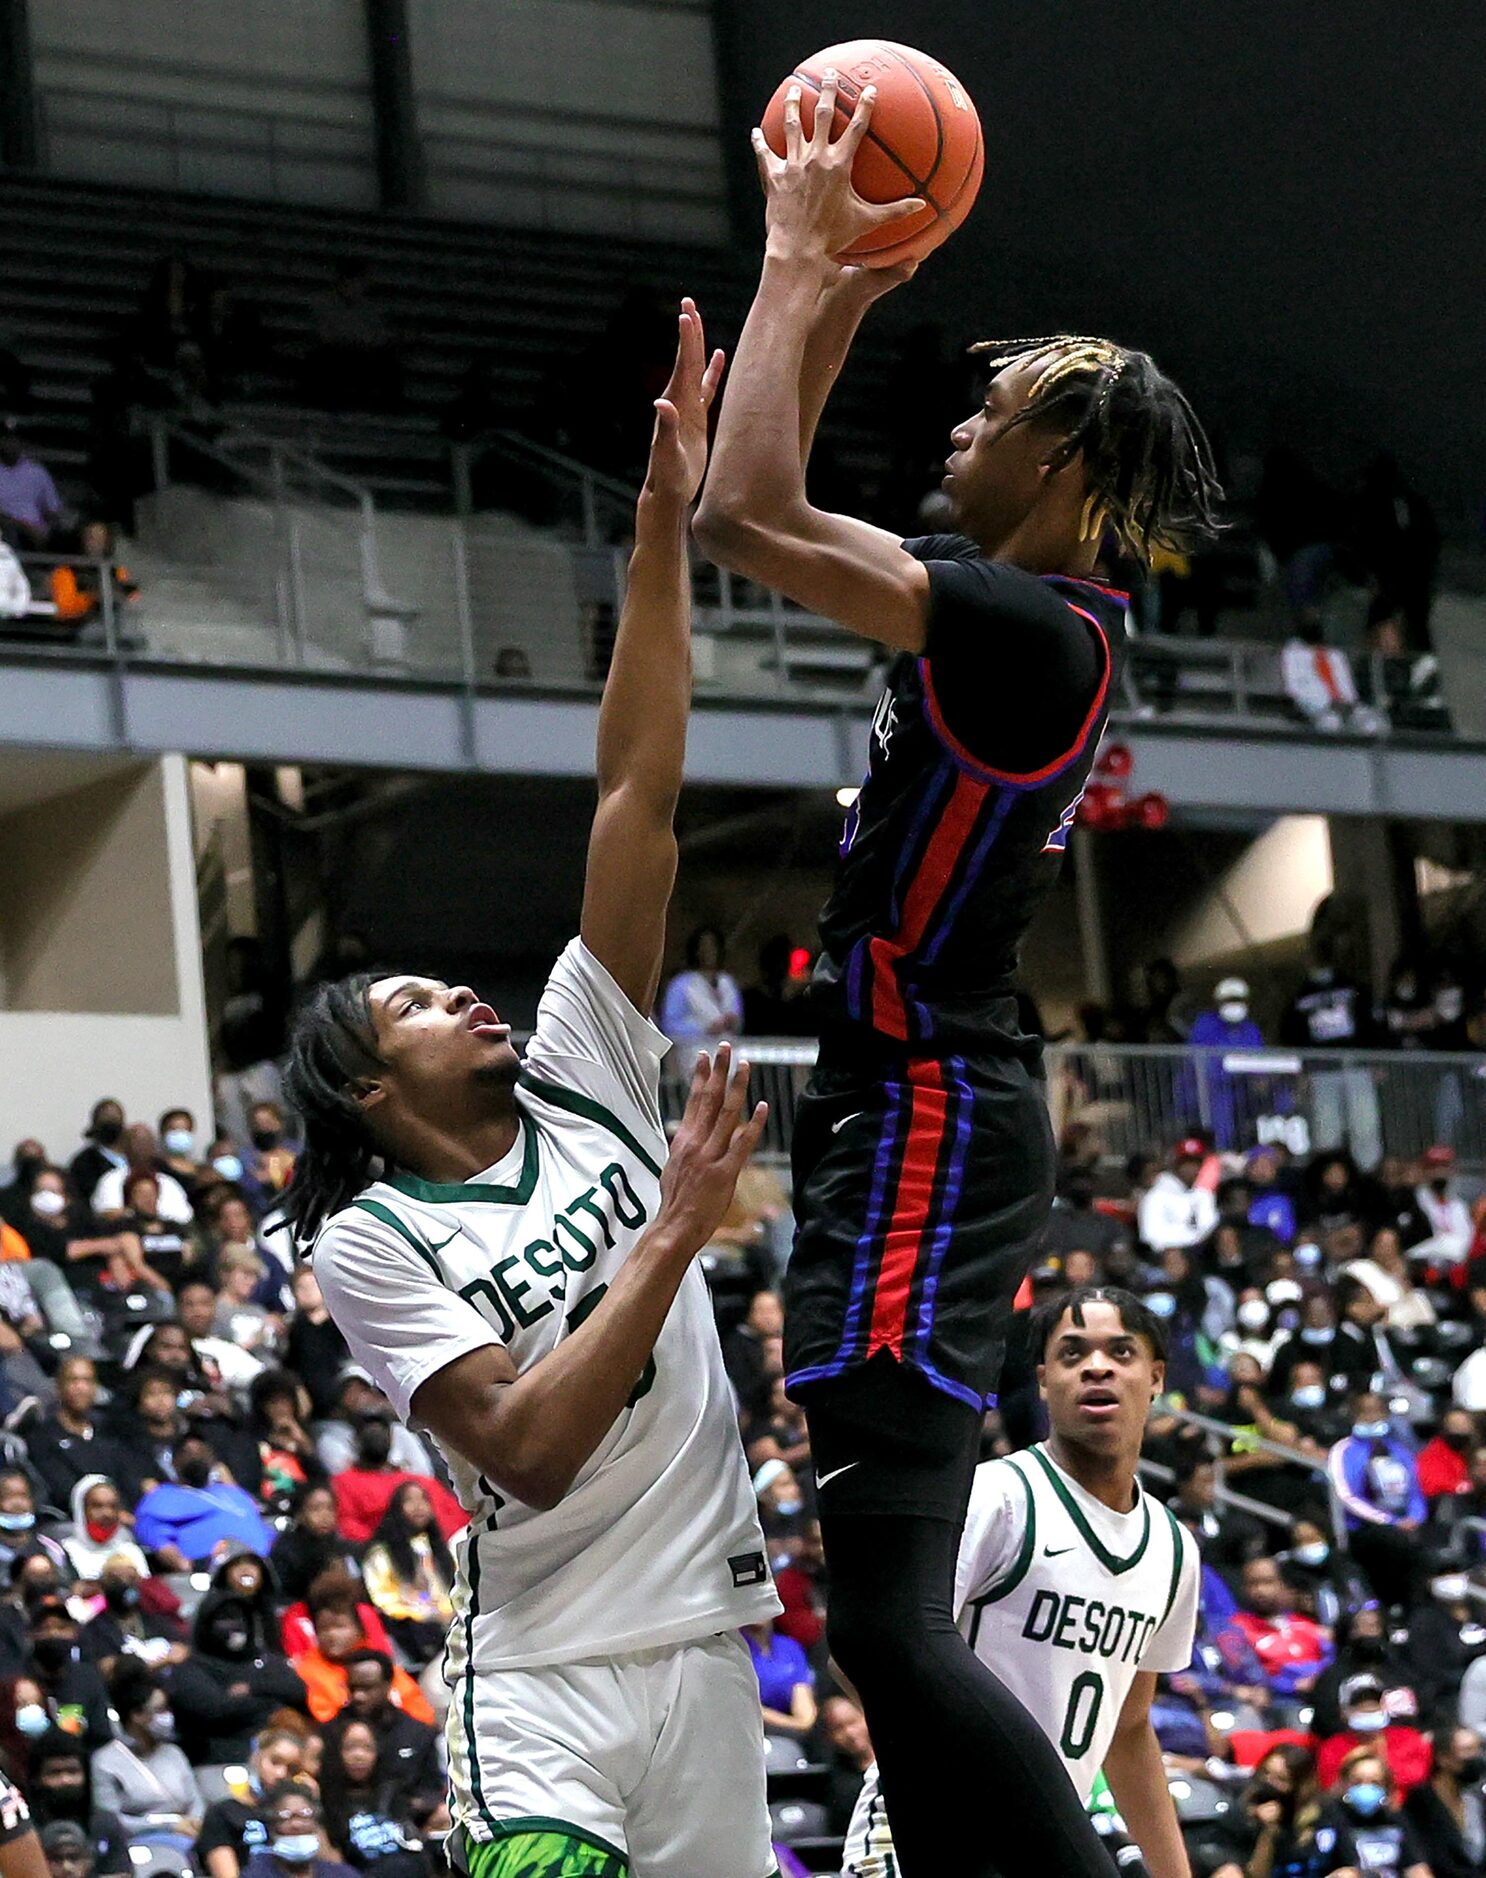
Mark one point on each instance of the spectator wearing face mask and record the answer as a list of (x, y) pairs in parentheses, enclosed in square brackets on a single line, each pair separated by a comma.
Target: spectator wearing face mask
[(19, 1534), (234, 1827), (1442, 1464), (102, 1153), (1447, 1215), (73, 1695), (1462, 1543), (1256, 1331), (363, 1492), (295, 1847), (356, 1396), (1367, 1724), (1446, 1635), (224, 1693), (1326, 1583), (1447, 1813), (143, 1776), (61, 1789), (99, 1533), (1361, 1826), (1176, 1210), (1228, 1100), (141, 1156), (124, 1628), (187, 1520), (1374, 1476)]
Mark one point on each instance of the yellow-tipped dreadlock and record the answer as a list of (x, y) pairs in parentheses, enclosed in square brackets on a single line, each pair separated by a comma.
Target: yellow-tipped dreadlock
[(1150, 468)]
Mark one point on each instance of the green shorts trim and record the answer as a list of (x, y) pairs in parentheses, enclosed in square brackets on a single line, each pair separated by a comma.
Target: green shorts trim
[(543, 1848)]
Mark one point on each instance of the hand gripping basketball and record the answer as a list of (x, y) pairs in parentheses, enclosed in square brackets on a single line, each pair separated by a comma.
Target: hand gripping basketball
[(812, 209)]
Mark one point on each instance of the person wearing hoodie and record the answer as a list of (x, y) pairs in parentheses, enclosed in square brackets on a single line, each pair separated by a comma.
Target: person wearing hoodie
[(1175, 1210), (225, 1691), (99, 1533), (188, 1520), (127, 1626), (61, 1788)]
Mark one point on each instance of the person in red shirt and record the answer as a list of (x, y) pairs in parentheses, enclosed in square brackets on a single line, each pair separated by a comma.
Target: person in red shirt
[(1368, 1724), (1443, 1466), (363, 1491), (1292, 1650)]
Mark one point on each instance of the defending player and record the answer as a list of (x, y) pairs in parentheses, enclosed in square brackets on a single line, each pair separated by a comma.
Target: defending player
[(923, 1154), (510, 1254), (1072, 1584)]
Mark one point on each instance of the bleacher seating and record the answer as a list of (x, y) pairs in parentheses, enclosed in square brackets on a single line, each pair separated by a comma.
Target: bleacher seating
[(78, 259)]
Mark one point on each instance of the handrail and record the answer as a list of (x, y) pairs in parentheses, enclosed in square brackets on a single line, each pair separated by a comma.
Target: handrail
[(1157, 1470), (1209, 1425), (590, 485)]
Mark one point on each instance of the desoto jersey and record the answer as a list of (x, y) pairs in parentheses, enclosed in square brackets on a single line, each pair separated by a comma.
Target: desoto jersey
[(1066, 1600), (657, 1541)]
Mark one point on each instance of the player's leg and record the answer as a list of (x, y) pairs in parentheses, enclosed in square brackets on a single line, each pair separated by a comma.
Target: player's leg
[(918, 1201), (701, 1806), (538, 1761), (957, 1753), (541, 1852)]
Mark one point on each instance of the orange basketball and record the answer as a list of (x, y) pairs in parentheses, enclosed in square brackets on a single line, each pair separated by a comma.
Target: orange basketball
[(924, 140)]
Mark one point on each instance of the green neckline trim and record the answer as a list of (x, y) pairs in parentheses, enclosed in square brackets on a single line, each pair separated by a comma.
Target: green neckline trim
[(591, 1111), (1023, 1559), (1109, 1560), (389, 1218), (478, 1192)]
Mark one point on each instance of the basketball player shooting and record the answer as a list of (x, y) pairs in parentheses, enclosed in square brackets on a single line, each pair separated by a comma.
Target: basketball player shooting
[(923, 1154), (1072, 1584)]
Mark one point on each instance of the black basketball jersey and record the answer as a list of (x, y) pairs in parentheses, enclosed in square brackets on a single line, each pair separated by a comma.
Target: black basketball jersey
[(981, 748)]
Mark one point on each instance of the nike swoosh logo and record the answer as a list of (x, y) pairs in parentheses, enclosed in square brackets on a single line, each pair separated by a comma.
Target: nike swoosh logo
[(836, 1128), (1049, 1552), (443, 1242), (824, 1480)]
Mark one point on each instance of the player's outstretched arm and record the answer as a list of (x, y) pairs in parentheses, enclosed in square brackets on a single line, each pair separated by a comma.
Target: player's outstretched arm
[(531, 1434), (642, 719), (755, 516), (1137, 1779)]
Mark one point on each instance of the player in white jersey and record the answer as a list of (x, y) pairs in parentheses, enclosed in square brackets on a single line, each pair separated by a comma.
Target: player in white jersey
[(509, 1252), (1072, 1584)]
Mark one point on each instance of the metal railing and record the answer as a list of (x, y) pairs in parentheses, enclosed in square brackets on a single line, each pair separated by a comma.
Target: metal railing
[(1139, 1098), (1220, 1438)]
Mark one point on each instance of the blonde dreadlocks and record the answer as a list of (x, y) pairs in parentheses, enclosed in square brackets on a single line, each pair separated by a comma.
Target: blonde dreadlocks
[(1150, 467)]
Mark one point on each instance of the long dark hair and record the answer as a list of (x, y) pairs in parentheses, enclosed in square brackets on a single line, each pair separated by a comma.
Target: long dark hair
[(397, 1535), (332, 1044)]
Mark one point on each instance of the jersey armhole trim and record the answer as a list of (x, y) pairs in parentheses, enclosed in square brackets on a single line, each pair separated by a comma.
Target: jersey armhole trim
[(591, 1111), (389, 1218), (449, 1193), (1096, 1545), (1179, 1558), (1020, 779), (1019, 1565)]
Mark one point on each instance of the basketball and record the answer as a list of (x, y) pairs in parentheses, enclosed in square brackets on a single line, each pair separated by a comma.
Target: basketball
[(924, 140)]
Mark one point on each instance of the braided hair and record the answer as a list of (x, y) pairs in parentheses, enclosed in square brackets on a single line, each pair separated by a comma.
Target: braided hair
[(333, 1043), (1150, 467)]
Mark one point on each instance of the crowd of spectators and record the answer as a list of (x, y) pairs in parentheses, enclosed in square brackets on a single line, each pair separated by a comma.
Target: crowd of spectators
[(225, 1574), (225, 1568)]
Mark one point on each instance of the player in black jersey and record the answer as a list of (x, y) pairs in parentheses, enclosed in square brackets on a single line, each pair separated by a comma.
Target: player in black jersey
[(923, 1155)]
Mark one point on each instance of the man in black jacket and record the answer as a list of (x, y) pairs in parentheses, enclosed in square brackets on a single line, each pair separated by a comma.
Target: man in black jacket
[(229, 1686), (407, 1749)]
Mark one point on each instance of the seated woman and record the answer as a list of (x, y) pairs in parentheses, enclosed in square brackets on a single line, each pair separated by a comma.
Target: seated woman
[(143, 1776), (308, 1546), (409, 1574), (338, 1633), (100, 1533), (1362, 1829), (234, 1827), (279, 1409), (164, 1249), (365, 1816), (786, 1681)]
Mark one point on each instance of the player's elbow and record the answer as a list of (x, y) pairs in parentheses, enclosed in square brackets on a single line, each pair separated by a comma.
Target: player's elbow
[(719, 530)]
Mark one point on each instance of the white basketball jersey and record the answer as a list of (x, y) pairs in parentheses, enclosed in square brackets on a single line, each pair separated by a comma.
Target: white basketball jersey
[(1066, 1600), (657, 1541)]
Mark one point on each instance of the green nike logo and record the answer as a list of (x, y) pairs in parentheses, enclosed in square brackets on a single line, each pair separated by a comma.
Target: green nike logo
[(443, 1242)]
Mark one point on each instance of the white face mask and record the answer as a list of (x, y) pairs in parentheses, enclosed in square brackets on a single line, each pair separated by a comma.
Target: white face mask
[(1370, 1722), (1315, 1553), (1232, 1011), (1452, 1589), (1253, 1314), (48, 1202)]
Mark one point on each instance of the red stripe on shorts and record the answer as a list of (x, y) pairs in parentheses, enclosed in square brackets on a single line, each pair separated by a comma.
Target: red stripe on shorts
[(907, 1230), (931, 879)]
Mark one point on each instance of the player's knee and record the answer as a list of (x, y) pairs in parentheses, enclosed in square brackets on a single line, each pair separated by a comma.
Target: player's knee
[(872, 1643)]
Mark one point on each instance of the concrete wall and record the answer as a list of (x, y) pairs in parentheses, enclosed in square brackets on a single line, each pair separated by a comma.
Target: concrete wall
[(99, 937)]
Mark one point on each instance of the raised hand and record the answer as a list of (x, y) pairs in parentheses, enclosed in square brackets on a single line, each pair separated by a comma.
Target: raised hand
[(711, 1148), (678, 450), (812, 211)]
